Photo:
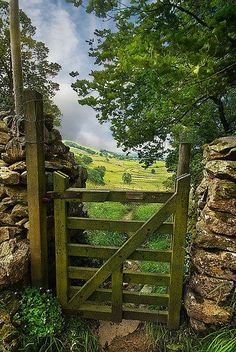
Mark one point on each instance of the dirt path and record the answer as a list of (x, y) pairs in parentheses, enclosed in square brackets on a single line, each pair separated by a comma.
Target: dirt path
[(129, 215)]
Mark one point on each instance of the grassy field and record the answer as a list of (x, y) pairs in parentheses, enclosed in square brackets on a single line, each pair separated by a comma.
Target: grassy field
[(142, 179)]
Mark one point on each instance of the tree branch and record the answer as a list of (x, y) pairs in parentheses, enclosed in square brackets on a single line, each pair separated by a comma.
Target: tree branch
[(221, 110), (197, 102), (188, 12), (198, 19)]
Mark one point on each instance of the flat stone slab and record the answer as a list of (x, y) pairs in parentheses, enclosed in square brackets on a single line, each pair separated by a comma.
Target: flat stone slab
[(108, 331)]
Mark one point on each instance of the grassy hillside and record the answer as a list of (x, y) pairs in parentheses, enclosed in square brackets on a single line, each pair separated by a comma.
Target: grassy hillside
[(143, 179)]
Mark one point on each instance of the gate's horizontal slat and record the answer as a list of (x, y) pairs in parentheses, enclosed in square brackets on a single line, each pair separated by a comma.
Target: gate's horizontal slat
[(145, 315), (147, 278), (89, 195), (92, 311), (74, 223), (129, 276), (104, 295), (103, 252)]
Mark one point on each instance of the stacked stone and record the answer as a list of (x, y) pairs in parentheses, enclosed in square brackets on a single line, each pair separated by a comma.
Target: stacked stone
[(14, 224), (209, 298)]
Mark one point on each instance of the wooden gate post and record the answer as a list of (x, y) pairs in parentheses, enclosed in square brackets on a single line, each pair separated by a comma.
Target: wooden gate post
[(61, 183), (36, 187), (179, 233), (184, 159)]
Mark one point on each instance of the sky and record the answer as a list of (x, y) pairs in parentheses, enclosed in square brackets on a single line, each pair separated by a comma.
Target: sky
[(64, 29)]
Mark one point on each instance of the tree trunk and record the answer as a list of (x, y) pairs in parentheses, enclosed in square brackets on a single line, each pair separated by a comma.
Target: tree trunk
[(16, 55), (221, 111)]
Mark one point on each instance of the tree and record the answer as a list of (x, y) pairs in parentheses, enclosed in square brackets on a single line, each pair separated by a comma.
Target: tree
[(96, 176), (86, 159), (127, 178), (101, 170), (37, 70), (166, 71)]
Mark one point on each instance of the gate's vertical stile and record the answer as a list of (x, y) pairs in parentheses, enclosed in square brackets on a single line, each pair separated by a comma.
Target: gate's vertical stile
[(117, 294), (36, 187), (61, 238), (184, 159), (178, 241)]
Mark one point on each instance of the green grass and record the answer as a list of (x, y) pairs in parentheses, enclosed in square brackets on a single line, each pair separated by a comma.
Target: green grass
[(156, 241), (186, 340), (107, 210), (79, 336), (220, 341), (115, 211), (145, 211), (106, 238)]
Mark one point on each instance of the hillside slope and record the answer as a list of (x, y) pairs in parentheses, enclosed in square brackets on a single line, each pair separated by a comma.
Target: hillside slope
[(151, 178)]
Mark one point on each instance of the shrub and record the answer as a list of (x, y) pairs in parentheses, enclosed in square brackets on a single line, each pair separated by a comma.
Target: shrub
[(153, 171), (101, 170), (95, 176), (86, 159), (79, 159), (169, 183), (39, 314), (127, 178)]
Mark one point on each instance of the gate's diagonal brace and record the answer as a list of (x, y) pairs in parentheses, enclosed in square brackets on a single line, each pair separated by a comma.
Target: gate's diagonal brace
[(124, 252)]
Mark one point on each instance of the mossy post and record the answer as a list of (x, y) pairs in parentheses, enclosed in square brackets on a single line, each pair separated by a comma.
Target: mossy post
[(61, 183), (179, 233), (184, 159), (36, 187)]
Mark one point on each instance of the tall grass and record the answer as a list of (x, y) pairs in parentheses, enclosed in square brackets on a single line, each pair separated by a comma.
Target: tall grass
[(105, 238), (145, 211), (112, 211), (107, 210), (186, 340), (79, 336), (223, 340), (156, 241)]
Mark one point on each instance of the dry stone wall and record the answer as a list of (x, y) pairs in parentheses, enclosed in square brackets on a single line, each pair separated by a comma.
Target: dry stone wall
[(210, 296), (14, 224)]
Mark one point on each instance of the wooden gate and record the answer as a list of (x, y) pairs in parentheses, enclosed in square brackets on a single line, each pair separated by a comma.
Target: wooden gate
[(89, 297), (81, 289)]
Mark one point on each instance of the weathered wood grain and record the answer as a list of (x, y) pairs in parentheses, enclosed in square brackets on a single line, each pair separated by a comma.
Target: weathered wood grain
[(61, 239)]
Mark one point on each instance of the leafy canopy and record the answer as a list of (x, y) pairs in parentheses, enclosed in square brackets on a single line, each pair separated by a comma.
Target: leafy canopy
[(37, 70), (166, 70)]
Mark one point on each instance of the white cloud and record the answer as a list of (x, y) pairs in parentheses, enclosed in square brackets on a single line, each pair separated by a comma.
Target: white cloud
[(56, 28), (64, 29), (80, 123)]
